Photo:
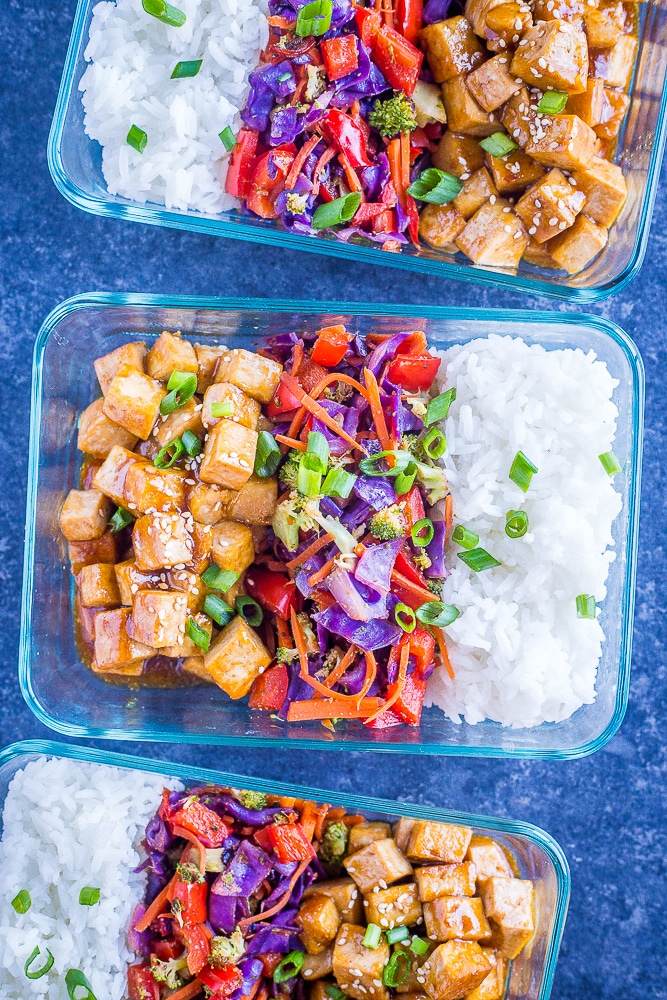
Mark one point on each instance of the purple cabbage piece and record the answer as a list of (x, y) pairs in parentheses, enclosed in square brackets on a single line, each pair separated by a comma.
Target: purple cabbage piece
[(439, 10), (285, 868), (298, 690), (329, 507), (376, 564), (251, 969), (278, 939), (306, 570), (301, 187), (157, 834), (435, 550), (245, 873), (345, 235), (223, 803), (353, 680), (355, 514), (222, 912), (375, 634), (265, 85), (366, 81), (139, 941), (319, 107), (353, 599), (286, 125), (350, 425), (374, 179), (408, 421), (385, 350), (377, 491)]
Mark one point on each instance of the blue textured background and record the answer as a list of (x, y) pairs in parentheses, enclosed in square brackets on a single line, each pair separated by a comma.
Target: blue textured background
[(607, 811)]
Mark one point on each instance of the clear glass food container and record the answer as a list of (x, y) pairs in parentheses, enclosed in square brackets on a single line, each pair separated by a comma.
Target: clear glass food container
[(70, 698)]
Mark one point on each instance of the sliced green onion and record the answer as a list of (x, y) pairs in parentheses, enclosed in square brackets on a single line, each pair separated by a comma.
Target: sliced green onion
[(396, 970), (435, 186), (396, 934), (516, 524), (120, 520), (74, 979), (338, 483), (610, 463), (249, 609), (586, 607), (218, 610), (522, 471), (314, 18), (191, 443), (164, 12), (318, 449), (308, 476), (219, 579), (435, 443), (38, 973), (89, 895), (199, 635), (137, 138), (290, 967), (552, 102), (225, 408), (182, 70), (335, 992), (171, 453), (372, 937), (422, 532), (22, 901), (370, 466), (340, 210), (405, 617), (465, 538), (478, 559), (267, 455), (418, 946), (437, 613), (498, 144), (438, 408), (284, 76), (405, 480), (227, 138), (180, 388)]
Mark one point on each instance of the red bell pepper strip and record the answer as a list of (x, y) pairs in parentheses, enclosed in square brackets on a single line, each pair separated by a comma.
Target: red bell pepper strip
[(399, 59), (340, 56), (202, 821), (167, 948), (262, 838), (274, 591), (197, 938), (331, 344), (188, 901), (387, 720), (368, 212), (310, 375), (270, 689), (422, 648), (282, 402), (413, 507), (408, 18), (413, 372), (140, 983), (368, 22), (385, 223), (347, 136), (268, 180), (408, 705), (413, 219), (222, 981), (289, 842), (241, 163)]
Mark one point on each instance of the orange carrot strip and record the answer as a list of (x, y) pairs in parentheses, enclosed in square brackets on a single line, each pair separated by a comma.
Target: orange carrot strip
[(438, 633), (350, 174), (300, 644), (449, 516), (414, 588), (405, 160), (157, 907), (312, 550), (298, 359), (318, 411), (321, 574), (187, 992), (400, 682), (282, 902), (376, 409), (339, 670), (371, 674), (353, 820), (297, 420), (284, 634), (327, 155), (322, 814), (304, 711), (278, 22), (192, 838), (300, 159), (394, 154), (337, 377), (291, 442)]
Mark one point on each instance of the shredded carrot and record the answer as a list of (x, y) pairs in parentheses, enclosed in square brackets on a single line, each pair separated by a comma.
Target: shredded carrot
[(399, 685), (300, 159), (180, 831), (300, 643), (297, 360), (260, 994), (355, 109), (318, 411), (278, 22), (312, 819), (186, 992), (371, 674), (394, 155), (297, 420), (449, 516), (342, 666), (414, 588), (323, 599), (312, 550), (322, 814), (305, 711), (284, 900), (283, 633), (328, 724), (438, 633), (336, 813), (337, 377), (405, 160), (327, 155), (353, 820), (321, 574), (157, 907), (350, 174), (291, 442), (376, 409), (298, 93)]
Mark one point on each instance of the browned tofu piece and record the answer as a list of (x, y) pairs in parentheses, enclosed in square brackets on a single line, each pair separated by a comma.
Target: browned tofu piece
[(493, 987), (133, 401), (362, 834), (97, 550), (460, 917), (186, 418), (130, 579), (193, 588), (317, 966), (98, 587), (589, 105), (538, 254), (190, 650), (464, 114), (413, 983), (202, 544), (208, 503), (350, 954), (394, 906), (439, 225), (605, 189), (562, 10), (244, 409), (257, 376), (431, 840), (563, 141), (229, 455), (553, 55), (451, 48), (208, 356), (236, 658), (402, 830), (345, 895), (488, 857), (150, 489), (97, 434), (445, 880), (454, 969), (518, 116), (115, 652), (459, 155), (508, 903), (378, 864), (256, 501), (158, 617), (604, 24), (514, 172), (194, 665), (170, 353), (319, 920), (477, 189), (492, 84), (107, 366), (232, 546), (494, 237), (161, 540), (615, 65), (84, 515), (505, 23), (111, 475), (614, 109), (578, 245), (550, 206)]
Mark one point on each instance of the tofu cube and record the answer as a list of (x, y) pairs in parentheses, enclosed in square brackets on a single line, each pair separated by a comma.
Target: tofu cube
[(97, 550), (394, 906), (107, 366), (434, 881), (175, 424), (564, 141), (451, 48), (493, 237), (578, 245), (207, 359), (550, 206), (97, 434), (439, 225), (187, 649), (459, 155), (493, 987), (317, 966), (379, 862), (245, 410), (111, 475), (236, 658), (147, 488), (589, 105), (615, 65), (605, 189), (133, 401), (508, 903), (194, 665), (562, 10), (454, 969), (115, 652), (518, 117), (477, 189), (402, 830), (202, 543), (229, 455), (161, 541), (488, 857), (84, 515), (256, 501), (434, 841), (553, 55), (170, 353), (464, 114), (191, 585), (614, 109), (605, 24), (319, 920), (363, 834), (232, 546), (514, 172), (492, 84), (505, 23), (209, 504), (345, 895), (456, 917), (368, 963), (130, 579), (538, 254), (413, 983), (158, 618), (98, 587), (257, 376)]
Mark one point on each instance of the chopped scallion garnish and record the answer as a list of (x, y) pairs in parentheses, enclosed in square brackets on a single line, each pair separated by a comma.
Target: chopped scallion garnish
[(171, 453), (22, 901), (164, 12), (522, 471), (38, 973), (405, 617), (199, 635), (228, 139), (191, 443), (314, 18), (499, 145), (372, 465), (308, 477), (396, 934), (438, 408), (223, 408), (610, 463), (290, 967), (552, 102), (335, 992), (418, 946), (89, 895), (219, 579), (318, 450), (434, 444), (180, 388), (339, 210), (464, 537), (478, 559), (435, 186), (405, 480), (338, 483), (121, 519), (75, 979), (586, 607), (218, 610), (183, 70), (516, 524), (267, 455), (137, 138), (372, 937), (396, 970), (249, 609), (437, 613), (422, 532)]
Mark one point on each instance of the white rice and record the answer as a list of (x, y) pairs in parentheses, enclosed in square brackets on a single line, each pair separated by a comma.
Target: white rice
[(132, 55), (520, 653), (67, 825)]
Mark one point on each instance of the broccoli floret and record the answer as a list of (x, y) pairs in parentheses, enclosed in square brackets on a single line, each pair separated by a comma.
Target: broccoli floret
[(411, 442), (226, 950), (252, 800), (334, 843), (393, 116), (388, 523), (316, 82), (435, 586), (422, 559), (189, 872), (167, 972), (291, 517), (297, 203), (289, 469), (339, 393), (434, 481), (285, 655)]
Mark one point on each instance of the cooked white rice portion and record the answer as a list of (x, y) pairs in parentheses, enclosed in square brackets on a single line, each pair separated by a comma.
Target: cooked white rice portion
[(132, 55), (520, 653), (67, 825)]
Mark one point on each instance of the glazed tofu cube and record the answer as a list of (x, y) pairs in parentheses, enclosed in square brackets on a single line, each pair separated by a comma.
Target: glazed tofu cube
[(186, 418), (97, 550), (130, 579), (464, 114), (460, 917), (605, 189), (202, 543), (232, 546), (434, 841), (434, 881), (133, 401), (345, 895), (439, 225), (209, 504), (477, 189), (488, 857), (615, 65), (514, 172), (106, 367), (538, 254), (191, 585), (493, 987), (564, 141), (186, 648), (111, 475), (229, 455), (318, 966), (578, 245), (193, 665), (84, 515), (236, 658), (392, 907), (207, 359), (257, 376), (505, 23), (562, 10), (378, 863), (550, 206), (256, 502), (244, 409), (363, 834), (518, 117), (402, 830), (170, 353), (454, 969), (98, 587), (614, 109), (553, 55), (494, 238), (605, 24), (492, 84), (350, 954), (98, 434), (319, 920), (459, 155), (413, 983), (508, 903), (158, 618), (150, 489), (115, 652), (589, 105), (161, 541), (451, 48)]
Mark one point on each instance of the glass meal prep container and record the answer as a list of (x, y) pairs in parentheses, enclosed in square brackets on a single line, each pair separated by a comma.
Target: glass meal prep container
[(67, 696), (537, 855)]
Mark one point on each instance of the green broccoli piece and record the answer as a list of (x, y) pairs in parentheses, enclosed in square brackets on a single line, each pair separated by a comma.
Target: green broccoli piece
[(434, 481), (226, 950), (393, 116), (252, 800), (435, 586), (291, 517), (412, 443), (334, 843), (285, 655), (189, 872), (339, 393), (388, 523), (168, 972), (289, 469)]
